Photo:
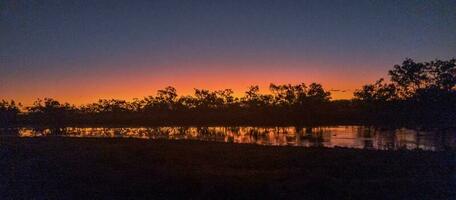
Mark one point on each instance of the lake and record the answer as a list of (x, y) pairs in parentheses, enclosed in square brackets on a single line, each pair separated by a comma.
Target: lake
[(332, 136)]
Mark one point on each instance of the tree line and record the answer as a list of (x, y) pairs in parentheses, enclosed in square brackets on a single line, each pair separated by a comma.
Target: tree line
[(416, 93)]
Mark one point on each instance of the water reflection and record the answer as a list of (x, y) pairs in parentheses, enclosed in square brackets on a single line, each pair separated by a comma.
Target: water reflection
[(342, 136)]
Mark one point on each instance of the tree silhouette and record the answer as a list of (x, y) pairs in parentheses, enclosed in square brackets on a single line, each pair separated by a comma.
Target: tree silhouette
[(379, 91), (166, 98), (409, 77), (287, 94), (317, 94), (443, 74), (8, 112), (253, 98), (421, 93)]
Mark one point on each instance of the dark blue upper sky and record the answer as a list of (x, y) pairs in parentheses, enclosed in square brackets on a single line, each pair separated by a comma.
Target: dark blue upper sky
[(48, 42)]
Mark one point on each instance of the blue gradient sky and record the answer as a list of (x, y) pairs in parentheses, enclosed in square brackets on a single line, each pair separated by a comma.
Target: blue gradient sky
[(79, 51)]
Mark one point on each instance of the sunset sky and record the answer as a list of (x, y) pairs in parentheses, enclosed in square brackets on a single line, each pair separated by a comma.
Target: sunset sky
[(80, 51)]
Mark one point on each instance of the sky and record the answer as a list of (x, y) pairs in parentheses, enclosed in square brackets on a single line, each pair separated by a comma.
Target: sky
[(81, 51)]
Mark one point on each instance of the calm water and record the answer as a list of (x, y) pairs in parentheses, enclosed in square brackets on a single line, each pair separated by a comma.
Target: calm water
[(342, 136)]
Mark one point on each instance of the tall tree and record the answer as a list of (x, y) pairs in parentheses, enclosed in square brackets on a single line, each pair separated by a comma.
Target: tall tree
[(409, 76)]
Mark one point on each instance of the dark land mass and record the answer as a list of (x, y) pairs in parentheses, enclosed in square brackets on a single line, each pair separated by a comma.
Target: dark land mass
[(108, 168)]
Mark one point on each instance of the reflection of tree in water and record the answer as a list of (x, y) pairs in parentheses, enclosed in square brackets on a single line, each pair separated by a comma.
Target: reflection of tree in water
[(183, 131), (311, 136), (299, 132), (436, 139), (290, 136), (253, 134), (118, 132), (317, 139), (365, 132), (205, 133), (39, 132), (386, 139), (357, 137), (231, 133), (308, 130), (234, 129), (366, 135), (155, 133)]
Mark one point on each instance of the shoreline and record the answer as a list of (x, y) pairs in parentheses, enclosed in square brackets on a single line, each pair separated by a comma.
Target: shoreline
[(62, 167)]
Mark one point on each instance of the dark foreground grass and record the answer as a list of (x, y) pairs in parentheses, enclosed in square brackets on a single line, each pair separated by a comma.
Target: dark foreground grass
[(84, 168)]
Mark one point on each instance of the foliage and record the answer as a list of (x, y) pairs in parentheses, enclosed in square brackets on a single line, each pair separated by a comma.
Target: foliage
[(411, 80), (8, 112), (417, 92)]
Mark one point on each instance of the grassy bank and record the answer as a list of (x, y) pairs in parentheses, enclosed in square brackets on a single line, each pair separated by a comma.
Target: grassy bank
[(62, 168)]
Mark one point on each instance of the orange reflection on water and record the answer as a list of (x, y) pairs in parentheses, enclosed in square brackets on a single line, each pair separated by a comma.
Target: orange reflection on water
[(336, 136)]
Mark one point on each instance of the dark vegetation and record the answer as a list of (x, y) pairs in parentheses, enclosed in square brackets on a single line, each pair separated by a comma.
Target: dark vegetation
[(417, 94), (109, 168)]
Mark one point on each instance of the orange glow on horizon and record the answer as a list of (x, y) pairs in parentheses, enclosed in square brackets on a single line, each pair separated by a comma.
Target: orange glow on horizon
[(129, 84)]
